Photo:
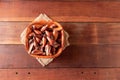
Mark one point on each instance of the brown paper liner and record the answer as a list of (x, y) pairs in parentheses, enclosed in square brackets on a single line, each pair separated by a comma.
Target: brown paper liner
[(43, 19)]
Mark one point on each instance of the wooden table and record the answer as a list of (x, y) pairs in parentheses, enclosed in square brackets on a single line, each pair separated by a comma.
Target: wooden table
[(94, 28)]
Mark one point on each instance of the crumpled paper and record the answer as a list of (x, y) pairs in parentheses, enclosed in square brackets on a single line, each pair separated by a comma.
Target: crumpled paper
[(44, 61)]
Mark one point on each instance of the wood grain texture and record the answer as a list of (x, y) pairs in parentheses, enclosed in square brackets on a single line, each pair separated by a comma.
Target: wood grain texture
[(101, 11), (48, 74), (15, 56), (61, 74), (80, 33), (94, 53), (63, 0)]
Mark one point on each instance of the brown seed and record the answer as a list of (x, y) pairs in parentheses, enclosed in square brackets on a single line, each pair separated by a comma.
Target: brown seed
[(42, 50), (30, 48), (35, 42), (43, 41), (39, 36), (37, 31), (38, 40), (31, 34), (55, 34), (51, 41), (47, 33), (44, 28), (47, 50), (30, 41), (36, 52)]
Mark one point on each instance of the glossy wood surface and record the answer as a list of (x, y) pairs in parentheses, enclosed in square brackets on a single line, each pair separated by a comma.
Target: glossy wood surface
[(14, 56), (80, 33), (61, 74), (94, 29), (62, 11)]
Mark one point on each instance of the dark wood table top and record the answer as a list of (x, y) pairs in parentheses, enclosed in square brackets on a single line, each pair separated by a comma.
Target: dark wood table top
[(94, 29)]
